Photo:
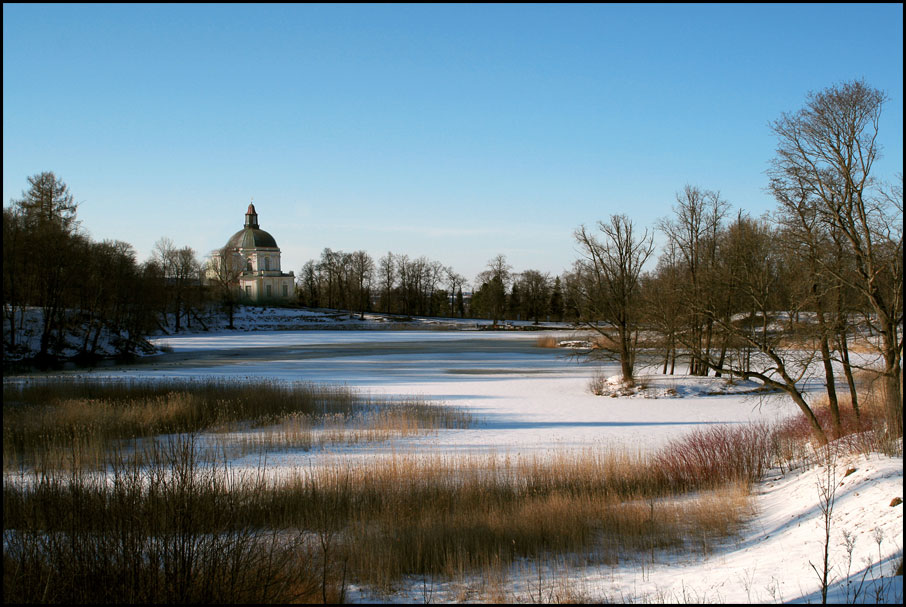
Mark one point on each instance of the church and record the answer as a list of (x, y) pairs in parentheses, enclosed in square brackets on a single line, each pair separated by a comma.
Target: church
[(254, 264)]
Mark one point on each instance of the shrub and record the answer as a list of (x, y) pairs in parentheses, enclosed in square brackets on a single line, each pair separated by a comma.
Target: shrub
[(716, 456)]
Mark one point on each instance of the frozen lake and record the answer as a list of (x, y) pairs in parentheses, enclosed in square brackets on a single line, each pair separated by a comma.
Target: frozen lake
[(524, 398)]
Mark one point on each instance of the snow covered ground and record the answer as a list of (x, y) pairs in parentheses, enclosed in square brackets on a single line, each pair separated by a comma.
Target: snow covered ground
[(529, 400)]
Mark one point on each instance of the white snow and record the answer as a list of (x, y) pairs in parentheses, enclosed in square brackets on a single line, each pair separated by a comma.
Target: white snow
[(534, 401)]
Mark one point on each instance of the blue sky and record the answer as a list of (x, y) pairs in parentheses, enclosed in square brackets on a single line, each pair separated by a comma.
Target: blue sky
[(457, 132)]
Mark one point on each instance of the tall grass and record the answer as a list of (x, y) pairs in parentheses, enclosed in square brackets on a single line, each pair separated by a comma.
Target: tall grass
[(179, 513), (74, 423), (163, 530)]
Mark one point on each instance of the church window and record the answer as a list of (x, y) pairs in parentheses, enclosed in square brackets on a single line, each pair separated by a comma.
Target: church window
[(285, 293), (268, 290), (267, 263)]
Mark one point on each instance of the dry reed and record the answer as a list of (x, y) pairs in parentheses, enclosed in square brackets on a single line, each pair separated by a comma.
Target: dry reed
[(378, 520), (547, 341), (73, 423)]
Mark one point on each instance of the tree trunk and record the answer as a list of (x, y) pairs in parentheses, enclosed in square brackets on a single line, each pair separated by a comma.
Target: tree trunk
[(848, 372), (626, 358), (831, 388), (828, 367), (893, 399), (893, 378)]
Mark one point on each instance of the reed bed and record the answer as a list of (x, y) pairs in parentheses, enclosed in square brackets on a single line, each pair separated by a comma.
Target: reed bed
[(160, 529), (180, 511), (303, 432), (74, 423)]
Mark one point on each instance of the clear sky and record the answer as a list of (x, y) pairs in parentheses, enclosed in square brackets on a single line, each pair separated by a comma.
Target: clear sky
[(457, 132)]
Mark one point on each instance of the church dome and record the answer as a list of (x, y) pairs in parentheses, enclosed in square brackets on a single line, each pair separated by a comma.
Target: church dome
[(251, 236)]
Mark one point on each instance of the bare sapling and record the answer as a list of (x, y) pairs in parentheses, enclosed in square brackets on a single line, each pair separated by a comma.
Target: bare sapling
[(827, 494)]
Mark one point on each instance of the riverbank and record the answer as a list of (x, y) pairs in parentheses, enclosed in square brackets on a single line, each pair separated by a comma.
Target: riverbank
[(70, 350)]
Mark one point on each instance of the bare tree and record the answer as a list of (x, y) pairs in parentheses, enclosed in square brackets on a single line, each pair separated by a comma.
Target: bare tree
[(456, 281), (331, 267), (806, 241), (535, 290), (310, 284), (556, 305), (387, 274), (663, 306), (748, 277), (181, 271), (435, 274), (490, 297), (224, 269), (827, 150), (362, 274), (698, 218), (610, 290)]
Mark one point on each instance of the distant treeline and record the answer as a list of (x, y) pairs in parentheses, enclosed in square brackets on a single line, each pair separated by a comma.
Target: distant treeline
[(398, 284)]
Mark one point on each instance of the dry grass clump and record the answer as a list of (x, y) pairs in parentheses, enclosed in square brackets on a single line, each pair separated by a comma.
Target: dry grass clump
[(605, 342), (444, 515), (594, 341), (547, 341), (597, 385), (177, 513), (73, 423)]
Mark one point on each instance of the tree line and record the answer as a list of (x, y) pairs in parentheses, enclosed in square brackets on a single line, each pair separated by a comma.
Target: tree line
[(399, 284), (764, 298), (86, 288)]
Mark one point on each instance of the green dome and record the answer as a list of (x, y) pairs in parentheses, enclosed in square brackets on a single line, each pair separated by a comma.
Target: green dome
[(251, 238)]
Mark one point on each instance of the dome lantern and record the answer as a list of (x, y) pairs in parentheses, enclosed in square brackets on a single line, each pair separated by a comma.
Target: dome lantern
[(251, 217)]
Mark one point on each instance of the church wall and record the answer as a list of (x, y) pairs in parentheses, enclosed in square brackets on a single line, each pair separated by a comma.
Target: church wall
[(255, 288)]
